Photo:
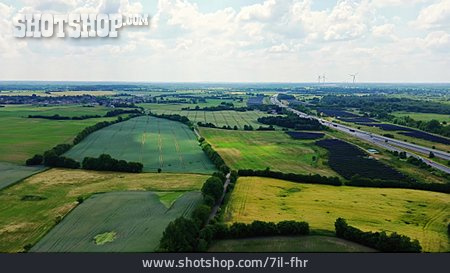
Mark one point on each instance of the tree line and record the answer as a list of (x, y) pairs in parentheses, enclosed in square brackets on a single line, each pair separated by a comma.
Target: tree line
[(432, 126), (355, 181), (299, 178), (292, 121), (111, 113), (359, 181), (174, 117), (214, 156), (106, 163), (235, 128), (54, 158), (378, 240)]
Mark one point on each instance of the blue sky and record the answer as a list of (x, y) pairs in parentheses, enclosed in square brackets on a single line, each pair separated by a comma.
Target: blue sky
[(240, 41)]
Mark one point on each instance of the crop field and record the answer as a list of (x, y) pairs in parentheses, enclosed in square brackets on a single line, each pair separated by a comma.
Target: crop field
[(11, 173), (53, 193), (313, 243), (135, 219), (423, 116), (274, 149), (156, 143), (420, 215), (348, 160), (22, 137), (221, 118)]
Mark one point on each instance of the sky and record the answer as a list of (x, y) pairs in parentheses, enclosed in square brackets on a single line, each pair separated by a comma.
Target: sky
[(239, 41)]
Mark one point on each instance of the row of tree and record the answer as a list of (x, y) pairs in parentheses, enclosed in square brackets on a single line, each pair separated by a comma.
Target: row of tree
[(259, 229), (292, 121), (228, 127), (58, 117), (359, 181), (106, 163), (214, 156), (431, 126), (54, 158), (174, 117), (378, 240), (111, 113), (300, 178)]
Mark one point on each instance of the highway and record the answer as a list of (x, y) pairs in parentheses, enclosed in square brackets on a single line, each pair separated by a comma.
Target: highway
[(380, 141)]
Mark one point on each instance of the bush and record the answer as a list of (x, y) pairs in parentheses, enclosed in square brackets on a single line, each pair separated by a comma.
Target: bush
[(201, 214), (213, 187), (181, 235), (35, 160), (378, 240), (293, 228)]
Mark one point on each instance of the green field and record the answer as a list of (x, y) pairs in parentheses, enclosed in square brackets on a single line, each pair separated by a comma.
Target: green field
[(274, 149), (220, 118), (24, 222), (420, 215), (311, 243), (22, 137), (423, 116), (116, 222), (11, 173), (156, 143)]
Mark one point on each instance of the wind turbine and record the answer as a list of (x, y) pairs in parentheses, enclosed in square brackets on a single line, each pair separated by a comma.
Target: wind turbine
[(319, 78), (324, 78), (353, 76)]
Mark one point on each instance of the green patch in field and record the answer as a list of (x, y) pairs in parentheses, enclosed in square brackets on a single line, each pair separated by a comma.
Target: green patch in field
[(104, 238), (168, 198)]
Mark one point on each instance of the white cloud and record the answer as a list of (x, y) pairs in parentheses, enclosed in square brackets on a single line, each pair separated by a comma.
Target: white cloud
[(438, 40), (386, 30), (434, 16), (281, 48), (274, 40)]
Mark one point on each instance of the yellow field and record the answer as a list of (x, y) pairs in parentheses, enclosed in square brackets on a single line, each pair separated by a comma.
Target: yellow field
[(420, 215), (25, 222)]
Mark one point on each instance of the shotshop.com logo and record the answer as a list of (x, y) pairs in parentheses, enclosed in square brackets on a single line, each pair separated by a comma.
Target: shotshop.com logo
[(74, 25)]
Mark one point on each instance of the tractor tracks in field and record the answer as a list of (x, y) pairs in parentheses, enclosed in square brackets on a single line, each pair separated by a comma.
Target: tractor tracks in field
[(433, 219), (160, 147), (177, 148), (225, 119)]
